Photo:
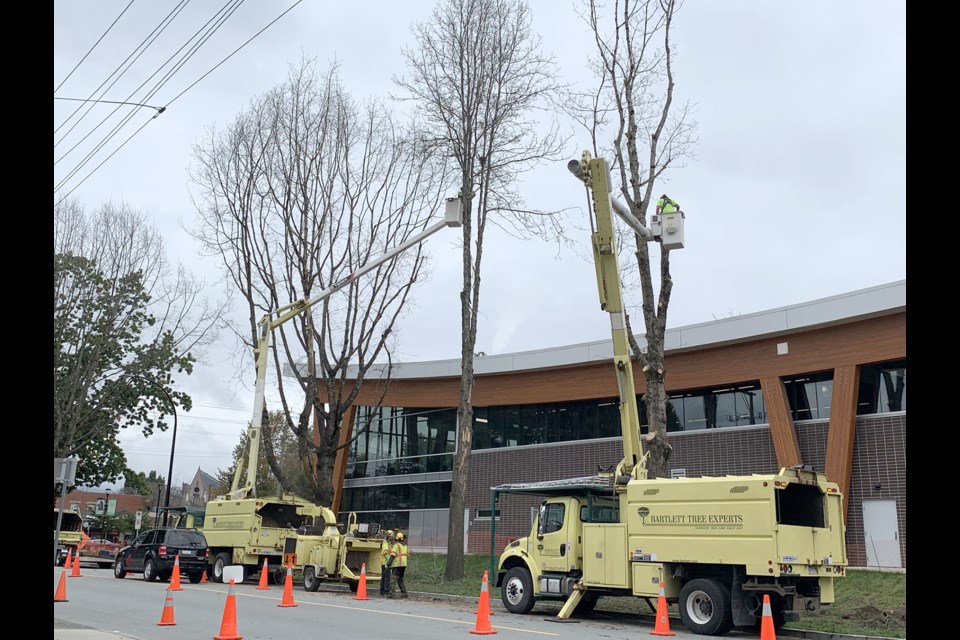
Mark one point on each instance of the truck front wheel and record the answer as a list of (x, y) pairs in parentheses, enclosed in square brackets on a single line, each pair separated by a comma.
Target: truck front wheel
[(310, 582), (705, 607), (517, 591)]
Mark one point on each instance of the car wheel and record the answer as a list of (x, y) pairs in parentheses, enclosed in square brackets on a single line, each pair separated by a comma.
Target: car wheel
[(150, 570), (705, 607), (517, 591), (222, 560), (118, 570), (195, 577), (310, 581)]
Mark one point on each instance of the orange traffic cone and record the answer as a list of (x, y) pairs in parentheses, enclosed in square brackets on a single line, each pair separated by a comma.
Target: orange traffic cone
[(76, 568), (228, 626), (489, 613), (61, 593), (175, 576), (68, 564), (766, 622), (166, 618), (362, 587), (203, 577), (482, 626), (263, 577), (662, 627), (287, 599)]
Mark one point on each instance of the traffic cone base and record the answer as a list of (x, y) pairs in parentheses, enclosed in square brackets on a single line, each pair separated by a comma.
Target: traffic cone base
[(76, 568), (362, 586), (263, 577), (287, 599), (482, 626), (662, 626), (228, 625), (166, 618), (767, 631), (175, 576), (60, 595)]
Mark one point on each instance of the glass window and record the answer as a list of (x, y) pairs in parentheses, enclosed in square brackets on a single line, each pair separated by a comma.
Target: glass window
[(810, 395), (883, 388), (553, 517)]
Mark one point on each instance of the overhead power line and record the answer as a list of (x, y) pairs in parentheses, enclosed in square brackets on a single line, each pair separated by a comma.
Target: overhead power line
[(93, 47), (170, 102), (135, 104)]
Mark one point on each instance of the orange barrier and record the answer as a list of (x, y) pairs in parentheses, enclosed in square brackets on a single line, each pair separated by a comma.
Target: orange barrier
[(362, 587), (482, 626), (166, 618), (767, 631), (662, 627), (175, 576), (486, 572), (76, 568), (263, 577), (228, 625), (60, 595), (287, 599)]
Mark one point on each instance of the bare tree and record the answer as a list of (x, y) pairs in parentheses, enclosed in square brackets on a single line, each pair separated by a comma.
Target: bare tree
[(304, 188), (650, 134), (478, 79), (125, 324)]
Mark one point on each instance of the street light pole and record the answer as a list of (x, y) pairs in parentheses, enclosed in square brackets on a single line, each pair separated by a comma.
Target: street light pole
[(173, 444), (106, 505)]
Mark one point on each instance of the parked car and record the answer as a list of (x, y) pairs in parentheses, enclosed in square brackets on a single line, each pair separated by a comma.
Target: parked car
[(101, 551), (154, 552)]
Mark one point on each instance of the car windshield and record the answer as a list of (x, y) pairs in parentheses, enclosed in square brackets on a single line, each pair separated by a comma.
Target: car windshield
[(186, 539)]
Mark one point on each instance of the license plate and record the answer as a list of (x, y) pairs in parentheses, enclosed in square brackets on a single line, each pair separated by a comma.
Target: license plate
[(186, 552)]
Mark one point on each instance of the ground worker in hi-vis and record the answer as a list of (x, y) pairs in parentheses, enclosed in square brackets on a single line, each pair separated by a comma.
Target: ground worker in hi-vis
[(400, 567), (666, 205), (387, 556)]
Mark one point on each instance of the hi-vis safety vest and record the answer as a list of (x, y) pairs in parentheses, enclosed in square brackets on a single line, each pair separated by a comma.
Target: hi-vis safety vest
[(667, 205), (386, 550), (402, 554)]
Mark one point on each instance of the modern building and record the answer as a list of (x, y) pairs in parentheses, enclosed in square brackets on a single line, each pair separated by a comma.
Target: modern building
[(820, 383)]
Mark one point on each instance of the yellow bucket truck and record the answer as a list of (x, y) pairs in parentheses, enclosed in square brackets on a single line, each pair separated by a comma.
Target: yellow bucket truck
[(717, 545)]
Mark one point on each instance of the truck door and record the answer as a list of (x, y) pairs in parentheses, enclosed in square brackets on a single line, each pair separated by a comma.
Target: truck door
[(553, 542)]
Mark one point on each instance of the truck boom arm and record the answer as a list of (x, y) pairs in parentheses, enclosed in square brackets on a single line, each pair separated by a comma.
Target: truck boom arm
[(595, 175), (452, 218)]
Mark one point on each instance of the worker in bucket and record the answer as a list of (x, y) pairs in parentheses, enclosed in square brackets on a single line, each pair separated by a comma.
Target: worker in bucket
[(666, 205)]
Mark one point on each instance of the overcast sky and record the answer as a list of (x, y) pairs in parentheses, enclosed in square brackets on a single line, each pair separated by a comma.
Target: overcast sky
[(796, 191)]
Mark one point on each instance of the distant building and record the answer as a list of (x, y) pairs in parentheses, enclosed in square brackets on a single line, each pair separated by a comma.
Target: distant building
[(196, 493)]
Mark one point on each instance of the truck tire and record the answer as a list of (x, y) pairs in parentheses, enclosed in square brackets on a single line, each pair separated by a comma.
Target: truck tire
[(118, 570), (222, 560), (516, 592), (354, 586), (705, 607), (310, 581), (150, 570)]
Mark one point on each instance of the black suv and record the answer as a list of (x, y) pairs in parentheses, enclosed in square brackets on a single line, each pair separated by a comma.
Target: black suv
[(154, 552)]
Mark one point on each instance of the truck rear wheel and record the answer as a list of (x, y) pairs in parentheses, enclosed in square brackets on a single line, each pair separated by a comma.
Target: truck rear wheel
[(705, 607), (310, 582), (222, 560), (517, 591)]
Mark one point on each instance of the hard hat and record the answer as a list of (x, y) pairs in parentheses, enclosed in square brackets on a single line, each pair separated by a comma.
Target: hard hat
[(389, 532), (400, 536)]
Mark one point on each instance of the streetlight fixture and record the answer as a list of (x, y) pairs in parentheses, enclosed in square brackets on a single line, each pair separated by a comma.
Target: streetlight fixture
[(173, 444)]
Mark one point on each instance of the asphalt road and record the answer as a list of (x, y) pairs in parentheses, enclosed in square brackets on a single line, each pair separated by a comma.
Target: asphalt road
[(101, 607)]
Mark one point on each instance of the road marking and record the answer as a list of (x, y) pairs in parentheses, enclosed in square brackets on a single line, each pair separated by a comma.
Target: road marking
[(403, 615)]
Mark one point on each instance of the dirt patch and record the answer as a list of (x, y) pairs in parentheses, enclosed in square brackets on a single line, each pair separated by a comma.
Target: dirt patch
[(880, 617)]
